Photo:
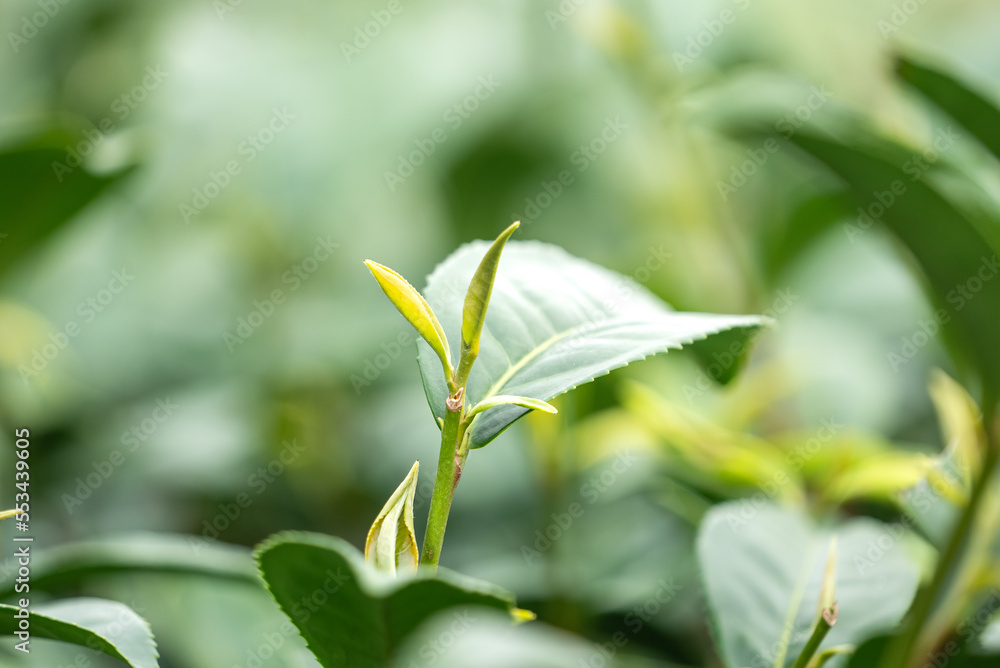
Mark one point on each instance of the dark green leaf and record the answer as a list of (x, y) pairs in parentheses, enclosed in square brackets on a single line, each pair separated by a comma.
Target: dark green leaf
[(37, 199), (806, 223), (959, 264), (351, 615), (66, 566), (976, 114)]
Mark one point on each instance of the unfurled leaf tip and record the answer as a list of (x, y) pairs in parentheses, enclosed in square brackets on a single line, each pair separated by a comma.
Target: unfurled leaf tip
[(392, 544), (477, 300), (412, 305), (828, 592)]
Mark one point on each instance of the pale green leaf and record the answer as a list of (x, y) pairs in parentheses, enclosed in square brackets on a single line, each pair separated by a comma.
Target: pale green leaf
[(487, 639), (477, 299), (951, 246), (555, 322), (524, 402), (105, 626), (392, 543), (414, 308), (5, 514), (764, 568)]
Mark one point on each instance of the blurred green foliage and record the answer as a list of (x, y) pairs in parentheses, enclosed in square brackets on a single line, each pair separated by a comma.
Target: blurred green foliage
[(187, 191)]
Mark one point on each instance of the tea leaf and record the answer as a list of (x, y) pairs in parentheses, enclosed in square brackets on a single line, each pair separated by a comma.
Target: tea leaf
[(977, 114), (366, 615), (392, 543), (106, 626), (764, 569), (555, 322), (415, 309), (477, 299)]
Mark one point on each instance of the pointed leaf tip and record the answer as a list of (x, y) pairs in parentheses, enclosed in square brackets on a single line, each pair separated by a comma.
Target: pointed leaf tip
[(477, 299), (5, 514), (415, 309), (392, 541), (828, 592)]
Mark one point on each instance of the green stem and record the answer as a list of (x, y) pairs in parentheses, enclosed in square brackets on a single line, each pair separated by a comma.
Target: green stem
[(444, 488), (826, 620), (465, 361), (902, 646)]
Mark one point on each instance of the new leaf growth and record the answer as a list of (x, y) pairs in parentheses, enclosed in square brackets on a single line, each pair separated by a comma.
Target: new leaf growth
[(477, 300), (392, 543), (417, 311)]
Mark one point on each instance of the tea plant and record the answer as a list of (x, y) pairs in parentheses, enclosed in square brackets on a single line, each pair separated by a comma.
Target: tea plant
[(81, 621), (530, 327), (791, 576)]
